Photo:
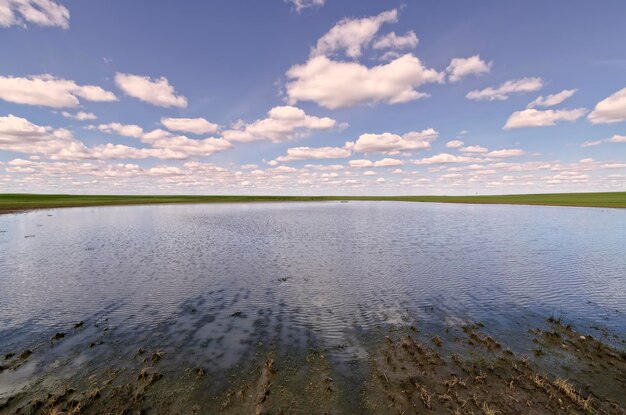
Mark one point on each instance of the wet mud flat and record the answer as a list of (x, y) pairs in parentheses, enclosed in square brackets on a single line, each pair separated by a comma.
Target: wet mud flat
[(403, 369)]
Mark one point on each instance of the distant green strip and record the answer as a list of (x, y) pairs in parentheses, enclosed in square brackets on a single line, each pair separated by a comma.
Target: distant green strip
[(17, 202)]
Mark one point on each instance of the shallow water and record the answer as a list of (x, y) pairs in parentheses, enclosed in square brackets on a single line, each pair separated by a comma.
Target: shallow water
[(209, 283)]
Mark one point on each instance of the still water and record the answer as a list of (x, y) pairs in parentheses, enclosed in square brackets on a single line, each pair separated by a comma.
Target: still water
[(209, 283)]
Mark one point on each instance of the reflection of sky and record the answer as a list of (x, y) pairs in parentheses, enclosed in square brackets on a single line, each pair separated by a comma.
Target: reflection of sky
[(177, 273)]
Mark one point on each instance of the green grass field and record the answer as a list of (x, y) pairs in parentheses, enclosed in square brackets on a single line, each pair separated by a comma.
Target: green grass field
[(16, 202)]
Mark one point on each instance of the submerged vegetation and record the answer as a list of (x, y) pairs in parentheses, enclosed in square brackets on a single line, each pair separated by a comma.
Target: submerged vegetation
[(20, 201)]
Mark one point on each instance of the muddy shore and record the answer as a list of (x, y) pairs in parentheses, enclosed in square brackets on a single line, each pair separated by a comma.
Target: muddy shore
[(461, 370)]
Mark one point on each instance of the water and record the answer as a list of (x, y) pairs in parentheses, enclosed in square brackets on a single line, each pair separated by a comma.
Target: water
[(209, 283)]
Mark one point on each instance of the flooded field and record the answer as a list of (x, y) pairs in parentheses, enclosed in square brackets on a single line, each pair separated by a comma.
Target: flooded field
[(359, 307)]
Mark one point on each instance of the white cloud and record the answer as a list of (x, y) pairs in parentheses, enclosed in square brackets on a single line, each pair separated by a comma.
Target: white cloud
[(20, 135), (352, 35), (80, 116), (536, 118), (388, 162), (552, 100), (371, 143), (126, 130), (506, 153), (334, 84), (369, 173), (190, 125), (164, 140), (610, 110), (444, 158), (454, 144), (315, 153), (39, 12), (474, 149), (393, 41), (615, 139), (156, 91), (49, 91), (299, 5), (503, 91), (361, 163), (282, 123), (459, 68)]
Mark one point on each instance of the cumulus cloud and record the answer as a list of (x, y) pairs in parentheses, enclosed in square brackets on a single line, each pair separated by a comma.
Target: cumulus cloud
[(314, 153), (388, 162), (351, 35), (190, 125), (46, 90), (126, 130), (445, 158), (40, 12), (282, 123), (474, 149), (503, 91), (334, 84), (454, 144), (392, 41), (610, 110), (80, 116), (536, 118), (388, 142), (615, 139), (361, 163), (553, 99), (156, 91), (459, 68), (20, 135), (164, 140), (300, 5), (506, 153)]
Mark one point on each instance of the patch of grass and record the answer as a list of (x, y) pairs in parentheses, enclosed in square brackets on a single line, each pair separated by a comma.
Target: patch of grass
[(11, 202)]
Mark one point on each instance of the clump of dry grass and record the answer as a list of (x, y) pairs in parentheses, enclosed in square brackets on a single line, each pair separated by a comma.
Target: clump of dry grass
[(569, 391)]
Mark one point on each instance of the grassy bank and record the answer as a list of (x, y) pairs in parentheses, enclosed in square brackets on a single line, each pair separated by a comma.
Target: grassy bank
[(19, 201)]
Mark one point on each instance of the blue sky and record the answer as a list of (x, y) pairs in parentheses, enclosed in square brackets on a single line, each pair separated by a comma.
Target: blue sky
[(312, 97)]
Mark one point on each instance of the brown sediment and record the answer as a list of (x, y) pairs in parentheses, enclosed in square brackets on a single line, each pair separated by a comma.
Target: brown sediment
[(408, 376), (458, 371)]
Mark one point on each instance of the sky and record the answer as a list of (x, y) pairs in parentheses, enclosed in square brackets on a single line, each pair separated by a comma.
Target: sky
[(314, 97)]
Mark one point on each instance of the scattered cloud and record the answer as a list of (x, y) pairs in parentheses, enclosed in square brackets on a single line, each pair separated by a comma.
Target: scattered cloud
[(503, 91), (615, 139), (454, 144), (388, 162), (361, 163), (388, 142), (300, 5), (281, 124), (460, 68), (474, 149), (20, 135), (40, 12), (80, 116), (610, 110), (506, 153), (315, 153), (126, 130), (333, 84), (537, 118), (190, 125), (392, 41), (351, 35), (552, 100), (156, 91), (46, 90), (445, 158)]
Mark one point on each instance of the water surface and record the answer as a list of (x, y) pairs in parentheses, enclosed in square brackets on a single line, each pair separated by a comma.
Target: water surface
[(210, 283)]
